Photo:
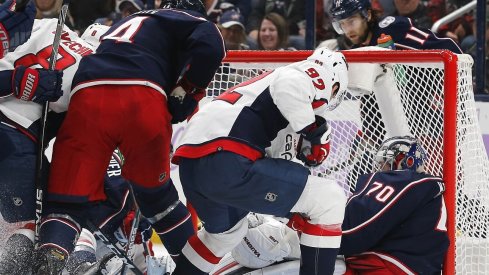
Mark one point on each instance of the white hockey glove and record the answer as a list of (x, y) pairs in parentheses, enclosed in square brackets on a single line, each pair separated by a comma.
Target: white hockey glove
[(266, 244)]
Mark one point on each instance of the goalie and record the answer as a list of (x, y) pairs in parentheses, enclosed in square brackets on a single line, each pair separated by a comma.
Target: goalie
[(395, 222)]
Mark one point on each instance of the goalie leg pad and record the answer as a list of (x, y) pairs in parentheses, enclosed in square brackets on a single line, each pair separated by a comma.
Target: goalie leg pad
[(269, 242), (205, 249)]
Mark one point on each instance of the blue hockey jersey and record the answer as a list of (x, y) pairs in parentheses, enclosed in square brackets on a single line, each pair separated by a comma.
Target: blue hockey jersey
[(407, 36), (155, 48), (399, 216)]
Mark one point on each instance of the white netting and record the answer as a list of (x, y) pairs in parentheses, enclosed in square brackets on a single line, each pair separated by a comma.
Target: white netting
[(407, 98)]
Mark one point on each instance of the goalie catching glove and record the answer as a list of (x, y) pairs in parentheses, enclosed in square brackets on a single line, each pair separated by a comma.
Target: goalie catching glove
[(38, 85), (317, 134)]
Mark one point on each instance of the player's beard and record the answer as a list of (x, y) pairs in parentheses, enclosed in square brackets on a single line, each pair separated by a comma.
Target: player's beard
[(363, 39)]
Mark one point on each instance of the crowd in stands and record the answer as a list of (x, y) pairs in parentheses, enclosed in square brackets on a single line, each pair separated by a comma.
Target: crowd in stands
[(279, 24)]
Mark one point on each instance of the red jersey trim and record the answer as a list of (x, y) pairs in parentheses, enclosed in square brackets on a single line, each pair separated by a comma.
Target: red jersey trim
[(322, 229), (202, 250), (217, 145)]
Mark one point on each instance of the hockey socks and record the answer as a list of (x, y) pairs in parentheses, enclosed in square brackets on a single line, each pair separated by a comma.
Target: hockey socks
[(175, 229), (317, 261), (59, 231)]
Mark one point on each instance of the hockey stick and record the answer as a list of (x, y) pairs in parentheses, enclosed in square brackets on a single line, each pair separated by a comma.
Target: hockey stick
[(134, 228), (42, 131), (113, 247)]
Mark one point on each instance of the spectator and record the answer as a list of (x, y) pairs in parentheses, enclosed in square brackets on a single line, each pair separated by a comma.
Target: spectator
[(85, 12), (128, 7), (273, 34), (231, 24), (469, 46), (124, 9), (218, 7), (292, 10), (415, 10), (387, 6), (47, 8)]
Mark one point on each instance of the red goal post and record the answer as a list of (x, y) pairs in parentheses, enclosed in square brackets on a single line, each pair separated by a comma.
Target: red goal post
[(427, 94)]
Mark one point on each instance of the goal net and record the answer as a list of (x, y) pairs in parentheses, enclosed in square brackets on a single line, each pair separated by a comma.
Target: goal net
[(427, 94)]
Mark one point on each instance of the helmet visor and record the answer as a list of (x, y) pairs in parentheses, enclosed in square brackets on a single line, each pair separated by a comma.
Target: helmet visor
[(353, 22)]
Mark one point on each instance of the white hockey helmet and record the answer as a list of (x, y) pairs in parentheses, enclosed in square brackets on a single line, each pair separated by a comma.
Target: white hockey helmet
[(337, 69), (400, 153), (93, 33)]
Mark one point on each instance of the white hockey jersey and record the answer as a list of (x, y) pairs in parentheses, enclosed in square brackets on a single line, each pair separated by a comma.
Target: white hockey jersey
[(35, 53), (248, 117)]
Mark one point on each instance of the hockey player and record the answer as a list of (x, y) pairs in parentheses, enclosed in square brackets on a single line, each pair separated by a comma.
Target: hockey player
[(25, 84), (396, 219), (362, 26), (225, 174), (395, 223), (119, 99), (15, 26)]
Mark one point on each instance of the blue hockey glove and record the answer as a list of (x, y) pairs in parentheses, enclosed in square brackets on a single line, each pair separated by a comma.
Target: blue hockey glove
[(15, 27), (318, 135), (181, 105), (38, 85)]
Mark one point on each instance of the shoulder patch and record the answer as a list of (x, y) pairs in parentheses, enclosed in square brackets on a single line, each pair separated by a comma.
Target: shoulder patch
[(387, 21)]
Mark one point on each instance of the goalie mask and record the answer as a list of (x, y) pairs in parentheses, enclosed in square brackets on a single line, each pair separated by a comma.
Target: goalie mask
[(336, 80), (93, 34), (194, 5), (401, 153)]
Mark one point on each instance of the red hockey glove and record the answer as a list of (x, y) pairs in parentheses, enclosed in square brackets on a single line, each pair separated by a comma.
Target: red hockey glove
[(144, 228), (38, 85), (318, 135)]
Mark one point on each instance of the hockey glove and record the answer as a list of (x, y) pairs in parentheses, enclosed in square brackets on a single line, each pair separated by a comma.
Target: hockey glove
[(181, 104), (15, 27), (38, 85), (144, 228), (318, 135)]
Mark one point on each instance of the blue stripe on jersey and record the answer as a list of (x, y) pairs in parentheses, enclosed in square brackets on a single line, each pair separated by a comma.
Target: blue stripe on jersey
[(260, 122)]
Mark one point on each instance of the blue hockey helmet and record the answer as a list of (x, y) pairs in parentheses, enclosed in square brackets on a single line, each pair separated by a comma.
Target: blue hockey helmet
[(194, 5), (342, 9), (400, 153)]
